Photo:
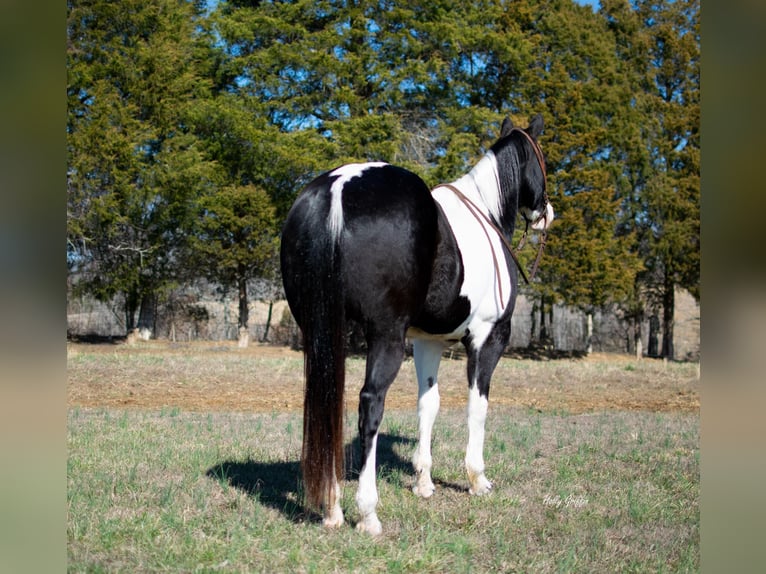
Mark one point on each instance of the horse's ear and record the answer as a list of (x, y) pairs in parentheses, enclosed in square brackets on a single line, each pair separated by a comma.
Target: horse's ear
[(506, 128), (535, 126)]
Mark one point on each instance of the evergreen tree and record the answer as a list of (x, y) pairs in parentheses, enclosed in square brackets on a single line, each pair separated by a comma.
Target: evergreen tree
[(660, 45), (306, 66), (236, 240), (190, 132), (418, 85), (134, 70), (578, 84)]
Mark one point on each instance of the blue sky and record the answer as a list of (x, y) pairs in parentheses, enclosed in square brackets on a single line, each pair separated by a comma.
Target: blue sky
[(593, 3)]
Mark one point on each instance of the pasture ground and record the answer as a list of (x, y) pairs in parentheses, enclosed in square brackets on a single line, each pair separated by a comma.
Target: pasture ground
[(185, 457)]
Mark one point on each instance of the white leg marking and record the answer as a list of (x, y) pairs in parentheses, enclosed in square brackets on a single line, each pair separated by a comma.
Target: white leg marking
[(367, 495), (427, 357), (474, 456), (333, 517)]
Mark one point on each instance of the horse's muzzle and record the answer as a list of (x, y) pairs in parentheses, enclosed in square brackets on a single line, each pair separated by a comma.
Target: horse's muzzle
[(544, 220)]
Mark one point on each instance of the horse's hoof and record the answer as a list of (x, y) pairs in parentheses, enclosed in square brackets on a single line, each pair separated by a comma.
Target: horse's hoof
[(371, 525), (424, 490), (332, 523), (333, 520), (480, 487)]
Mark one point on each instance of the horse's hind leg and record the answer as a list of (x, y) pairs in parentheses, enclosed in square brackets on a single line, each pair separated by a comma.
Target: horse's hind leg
[(383, 361), (333, 516), (481, 364), (427, 355)]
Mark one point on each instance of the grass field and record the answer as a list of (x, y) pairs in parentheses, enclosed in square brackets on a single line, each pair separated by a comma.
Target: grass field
[(186, 459)]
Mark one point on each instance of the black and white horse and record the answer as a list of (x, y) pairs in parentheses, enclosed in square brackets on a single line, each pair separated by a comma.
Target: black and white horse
[(370, 242)]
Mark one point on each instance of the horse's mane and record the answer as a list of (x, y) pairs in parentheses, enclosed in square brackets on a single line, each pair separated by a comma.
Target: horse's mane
[(508, 152)]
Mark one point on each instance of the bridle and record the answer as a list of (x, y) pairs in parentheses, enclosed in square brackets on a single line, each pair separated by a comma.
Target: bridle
[(543, 215), (481, 216), (541, 161)]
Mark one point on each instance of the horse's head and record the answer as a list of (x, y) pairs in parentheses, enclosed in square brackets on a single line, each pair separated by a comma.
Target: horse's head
[(533, 201)]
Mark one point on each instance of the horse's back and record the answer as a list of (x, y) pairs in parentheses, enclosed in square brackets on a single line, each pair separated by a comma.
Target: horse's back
[(389, 242), (383, 225)]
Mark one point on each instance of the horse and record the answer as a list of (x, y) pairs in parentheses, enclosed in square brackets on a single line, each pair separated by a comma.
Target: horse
[(369, 242)]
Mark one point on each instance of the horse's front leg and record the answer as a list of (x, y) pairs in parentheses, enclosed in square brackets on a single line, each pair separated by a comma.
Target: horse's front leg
[(427, 357), (482, 361), (383, 362), (474, 455)]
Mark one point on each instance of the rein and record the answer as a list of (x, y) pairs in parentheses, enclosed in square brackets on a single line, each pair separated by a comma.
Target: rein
[(480, 216), (541, 161), (544, 214)]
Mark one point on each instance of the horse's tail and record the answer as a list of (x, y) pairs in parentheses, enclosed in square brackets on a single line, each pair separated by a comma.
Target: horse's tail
[(322, 309)]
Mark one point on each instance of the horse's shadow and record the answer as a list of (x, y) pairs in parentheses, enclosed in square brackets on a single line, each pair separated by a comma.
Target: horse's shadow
[(277, 485), (273, 484)]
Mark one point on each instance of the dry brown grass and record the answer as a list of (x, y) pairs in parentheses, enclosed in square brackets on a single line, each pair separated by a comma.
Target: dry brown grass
[(218, 377)]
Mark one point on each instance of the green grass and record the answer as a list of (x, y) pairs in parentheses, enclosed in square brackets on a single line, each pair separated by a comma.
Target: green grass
[(175, 491)]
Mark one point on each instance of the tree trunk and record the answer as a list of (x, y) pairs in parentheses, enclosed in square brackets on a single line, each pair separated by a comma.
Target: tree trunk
[(226, 316), (147, 315), (533, 324), (637, 337), (654, 327), (668, 311), (244, 312), (268, 323), (131, 306), (546, 323), (243, 338), (589, 333), (551, 339)]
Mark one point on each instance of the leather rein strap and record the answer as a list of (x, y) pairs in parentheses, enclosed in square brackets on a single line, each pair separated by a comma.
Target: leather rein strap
[(544, 214), (479, 215)]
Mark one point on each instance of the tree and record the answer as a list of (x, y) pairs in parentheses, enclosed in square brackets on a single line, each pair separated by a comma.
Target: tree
[(376, 80), (179, 108), (236, 240), (673, 191), (593, 266), (134, 169), (660, 45), (577, 83), (305, 66)]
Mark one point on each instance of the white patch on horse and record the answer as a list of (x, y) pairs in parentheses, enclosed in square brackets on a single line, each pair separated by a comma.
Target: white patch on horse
[(367, 494), (483, 177), (427, 354), (346, 173), (483, 282), (334, 515), (474, 455), (546, 221), (541, 220)]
